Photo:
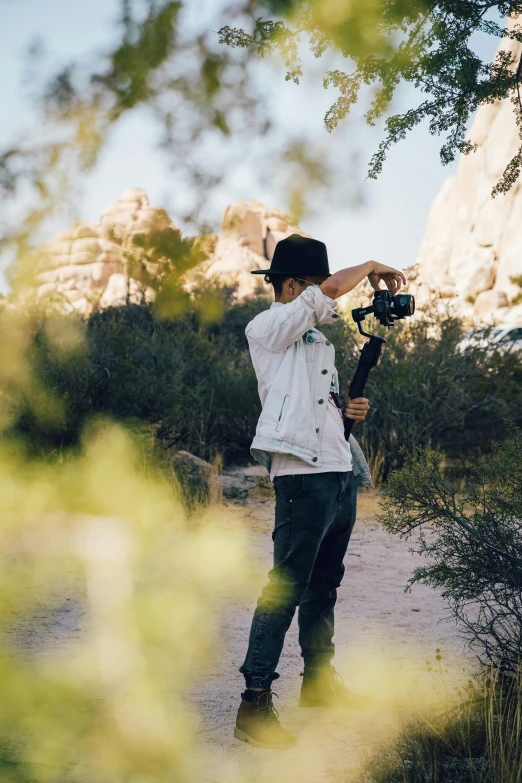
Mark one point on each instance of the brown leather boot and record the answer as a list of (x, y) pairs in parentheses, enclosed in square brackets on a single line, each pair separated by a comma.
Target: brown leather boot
[(258, 722), (327, 689)]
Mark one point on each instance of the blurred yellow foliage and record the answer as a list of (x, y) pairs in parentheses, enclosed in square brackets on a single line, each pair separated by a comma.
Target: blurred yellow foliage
[(105, 533)]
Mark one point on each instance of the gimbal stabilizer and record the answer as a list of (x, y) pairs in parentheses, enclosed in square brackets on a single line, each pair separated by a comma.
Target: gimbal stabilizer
[(387, 308)]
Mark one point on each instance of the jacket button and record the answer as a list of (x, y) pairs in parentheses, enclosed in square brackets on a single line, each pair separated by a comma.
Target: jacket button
[(335, 315), (321, 402), (323, 372), (314, 459), (317, 429), (328, 342)]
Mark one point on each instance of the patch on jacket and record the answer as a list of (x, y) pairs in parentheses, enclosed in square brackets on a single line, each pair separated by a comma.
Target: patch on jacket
[(309, 336)]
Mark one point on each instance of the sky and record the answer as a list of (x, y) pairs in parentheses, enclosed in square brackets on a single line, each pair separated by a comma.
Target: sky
[(388, 221)]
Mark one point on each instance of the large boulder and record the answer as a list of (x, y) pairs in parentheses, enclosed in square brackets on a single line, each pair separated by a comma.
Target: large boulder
[(81, 244), (91, 266), (196, 479), (132, 215), (470, 286), (488, 303), (149, 242), (438, 239), (249, 234), (75, 266)]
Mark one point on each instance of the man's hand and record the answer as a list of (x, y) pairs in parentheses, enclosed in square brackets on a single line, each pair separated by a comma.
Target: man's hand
[(355, 409), (391, 277)]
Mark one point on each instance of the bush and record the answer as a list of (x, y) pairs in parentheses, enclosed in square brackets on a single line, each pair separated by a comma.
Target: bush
[(426, 392), (192, 381), (473, 544)]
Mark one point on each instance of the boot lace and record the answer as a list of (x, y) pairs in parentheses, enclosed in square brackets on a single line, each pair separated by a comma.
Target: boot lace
[(267, 712), (337, 679), (337, 683)]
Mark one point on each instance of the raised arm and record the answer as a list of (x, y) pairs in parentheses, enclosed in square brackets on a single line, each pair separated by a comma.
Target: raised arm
[(279, 327), (345, 280)]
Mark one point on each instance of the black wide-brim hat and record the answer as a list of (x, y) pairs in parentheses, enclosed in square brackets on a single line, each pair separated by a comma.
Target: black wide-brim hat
[(296, 256)]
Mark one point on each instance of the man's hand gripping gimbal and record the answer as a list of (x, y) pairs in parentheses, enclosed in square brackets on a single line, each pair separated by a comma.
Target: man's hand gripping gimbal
[(387, 308)]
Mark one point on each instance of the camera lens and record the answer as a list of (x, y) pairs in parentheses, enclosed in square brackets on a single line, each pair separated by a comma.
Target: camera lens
[(403, 305)]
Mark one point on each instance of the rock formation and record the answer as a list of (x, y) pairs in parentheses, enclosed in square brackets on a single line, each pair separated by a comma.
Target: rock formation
[(249, 234), (196, 478), (91, 266), (76, 265), (473, 244), (120, 259)]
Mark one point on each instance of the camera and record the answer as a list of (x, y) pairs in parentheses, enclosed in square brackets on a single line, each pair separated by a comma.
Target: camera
[(387, 307)]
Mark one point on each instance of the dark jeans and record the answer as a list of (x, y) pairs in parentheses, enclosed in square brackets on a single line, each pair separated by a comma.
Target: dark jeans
[(314, 518)]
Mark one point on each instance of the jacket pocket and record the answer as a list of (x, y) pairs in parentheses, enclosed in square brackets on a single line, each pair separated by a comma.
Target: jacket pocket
[(282, 412)]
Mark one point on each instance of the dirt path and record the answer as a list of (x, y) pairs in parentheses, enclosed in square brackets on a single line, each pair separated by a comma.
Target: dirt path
[(384, 637)]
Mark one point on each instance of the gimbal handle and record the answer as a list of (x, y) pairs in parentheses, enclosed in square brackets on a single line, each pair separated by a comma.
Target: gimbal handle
[(369, 358), (387, 308)]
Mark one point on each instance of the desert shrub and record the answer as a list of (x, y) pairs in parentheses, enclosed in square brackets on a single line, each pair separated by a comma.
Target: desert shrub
[(434, 747), (475, 740), (472, 543), (503, 711), (426, 392), (191, 380)]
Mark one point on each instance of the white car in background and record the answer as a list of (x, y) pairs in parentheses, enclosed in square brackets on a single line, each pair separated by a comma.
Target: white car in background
[(504, 337)]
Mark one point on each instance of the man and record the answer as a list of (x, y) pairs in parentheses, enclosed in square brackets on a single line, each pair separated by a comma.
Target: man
[(315, 472)]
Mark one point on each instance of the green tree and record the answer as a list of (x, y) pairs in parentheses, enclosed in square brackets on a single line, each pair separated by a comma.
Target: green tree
[(388, 42)]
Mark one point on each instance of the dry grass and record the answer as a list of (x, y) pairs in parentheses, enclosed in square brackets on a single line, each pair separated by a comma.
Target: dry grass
[(368, 504), (476, 740)]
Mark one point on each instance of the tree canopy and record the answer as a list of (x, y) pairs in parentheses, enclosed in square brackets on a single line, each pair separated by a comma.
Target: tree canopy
[(388, 42)]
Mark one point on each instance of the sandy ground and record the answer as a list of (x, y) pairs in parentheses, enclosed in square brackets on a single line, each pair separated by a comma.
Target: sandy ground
[(384, 638)]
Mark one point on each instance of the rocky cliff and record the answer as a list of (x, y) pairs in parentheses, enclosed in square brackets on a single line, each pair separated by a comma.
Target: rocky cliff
[(473, 242)]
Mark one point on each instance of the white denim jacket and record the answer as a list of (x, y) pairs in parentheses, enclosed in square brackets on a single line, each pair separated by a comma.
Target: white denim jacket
[(294, 363)]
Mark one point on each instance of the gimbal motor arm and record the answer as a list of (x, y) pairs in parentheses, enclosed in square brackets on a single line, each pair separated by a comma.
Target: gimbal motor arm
[(387, 308)]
